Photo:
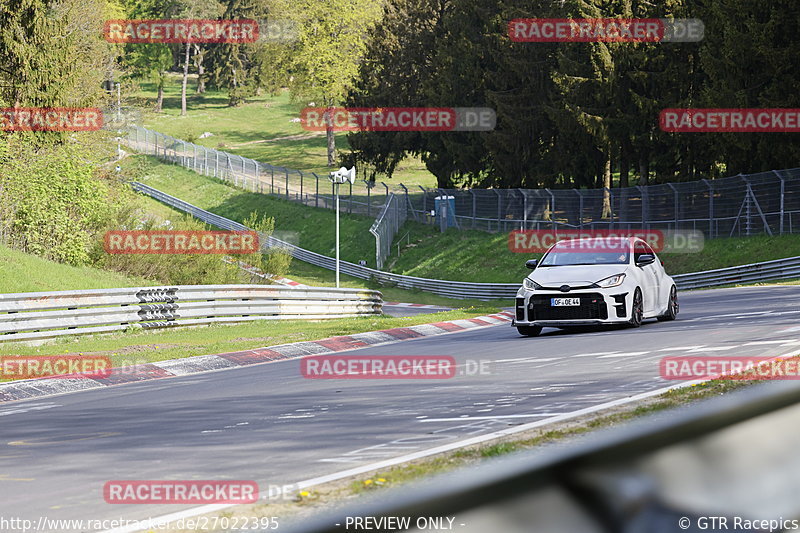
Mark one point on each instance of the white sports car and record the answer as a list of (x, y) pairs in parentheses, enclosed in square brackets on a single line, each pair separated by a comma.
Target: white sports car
[(581, 282)]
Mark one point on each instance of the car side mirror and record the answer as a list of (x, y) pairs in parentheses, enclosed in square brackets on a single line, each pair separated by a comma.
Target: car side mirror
[(531, 263), (646, 259)]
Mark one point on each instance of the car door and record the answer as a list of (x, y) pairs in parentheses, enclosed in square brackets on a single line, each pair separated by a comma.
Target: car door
[(650, 281)]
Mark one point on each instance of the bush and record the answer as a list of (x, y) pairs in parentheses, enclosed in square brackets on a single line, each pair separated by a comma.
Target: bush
[(51, 204)]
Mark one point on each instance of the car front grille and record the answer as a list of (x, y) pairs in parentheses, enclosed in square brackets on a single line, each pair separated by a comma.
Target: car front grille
[(593, 307)]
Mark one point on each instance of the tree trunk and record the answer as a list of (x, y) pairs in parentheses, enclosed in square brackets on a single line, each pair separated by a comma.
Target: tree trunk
[(329, 133), (185, 80), (607, 186), (644, 170), (160, 98), (624, 168), (201, 69)]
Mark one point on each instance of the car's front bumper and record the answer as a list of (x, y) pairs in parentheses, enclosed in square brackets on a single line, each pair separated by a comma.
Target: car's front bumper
[(597, 306)]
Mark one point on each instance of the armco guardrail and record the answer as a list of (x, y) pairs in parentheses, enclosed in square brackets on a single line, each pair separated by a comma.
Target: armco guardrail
[(754, 272), (43, 315), (770, 270)]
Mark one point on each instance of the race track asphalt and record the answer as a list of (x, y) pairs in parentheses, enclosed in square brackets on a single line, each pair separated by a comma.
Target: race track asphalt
[(267, 423)]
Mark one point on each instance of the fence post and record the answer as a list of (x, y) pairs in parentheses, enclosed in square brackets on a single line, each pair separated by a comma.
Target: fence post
[(287, 182), (474, 208), (645, 201), (271, 179), (369, 199), (675, 191), (580, 208), (316, 190), (258, 177), (301, 185), (552, 208), (524, 208), (499, 208), (424, 204), (611, 207), (711, 232), (783, 190), (350, 199), (216, 163), (408, 204)]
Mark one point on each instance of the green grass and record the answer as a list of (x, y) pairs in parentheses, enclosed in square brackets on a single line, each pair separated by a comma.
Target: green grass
[(139, 346), (457, 255), (21, 272), (242, 130)]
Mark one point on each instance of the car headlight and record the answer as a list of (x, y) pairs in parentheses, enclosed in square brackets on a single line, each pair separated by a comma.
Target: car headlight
[(531, 285), (613, 281)]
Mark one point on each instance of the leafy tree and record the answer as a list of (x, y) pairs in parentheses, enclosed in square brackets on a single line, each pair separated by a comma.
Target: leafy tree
[(331, 42), (52, 54)]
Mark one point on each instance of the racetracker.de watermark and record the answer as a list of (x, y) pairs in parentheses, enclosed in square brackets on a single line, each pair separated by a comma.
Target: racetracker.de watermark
[(180, 242), (128, 491), (736, 120), (691, 368), (378, 367), (603, 240), (398, 118), (621, 30), (50, 119), (54, 366), (181, 31)]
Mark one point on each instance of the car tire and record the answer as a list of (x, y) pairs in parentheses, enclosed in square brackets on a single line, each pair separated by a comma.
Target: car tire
[(637, 310), (672, 306), (529, 331)]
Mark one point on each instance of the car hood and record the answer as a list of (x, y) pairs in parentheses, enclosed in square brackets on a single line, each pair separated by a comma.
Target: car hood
[(574, 275)]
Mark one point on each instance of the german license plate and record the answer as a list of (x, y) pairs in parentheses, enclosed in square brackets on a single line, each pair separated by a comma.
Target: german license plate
[(564, 302)]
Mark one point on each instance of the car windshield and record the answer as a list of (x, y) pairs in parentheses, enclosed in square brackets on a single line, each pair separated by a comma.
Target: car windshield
[(566, 255)]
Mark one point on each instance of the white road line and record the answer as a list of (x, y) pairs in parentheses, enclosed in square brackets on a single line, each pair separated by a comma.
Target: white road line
[(759, 343), (626, 354), (593, 354), (713, 349), (528, 359), (461, 419), (681, 348)]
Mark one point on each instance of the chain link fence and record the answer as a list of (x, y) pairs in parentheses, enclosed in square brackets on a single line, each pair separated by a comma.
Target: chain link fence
[(256, 176), (389, 221), (767, 202)]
